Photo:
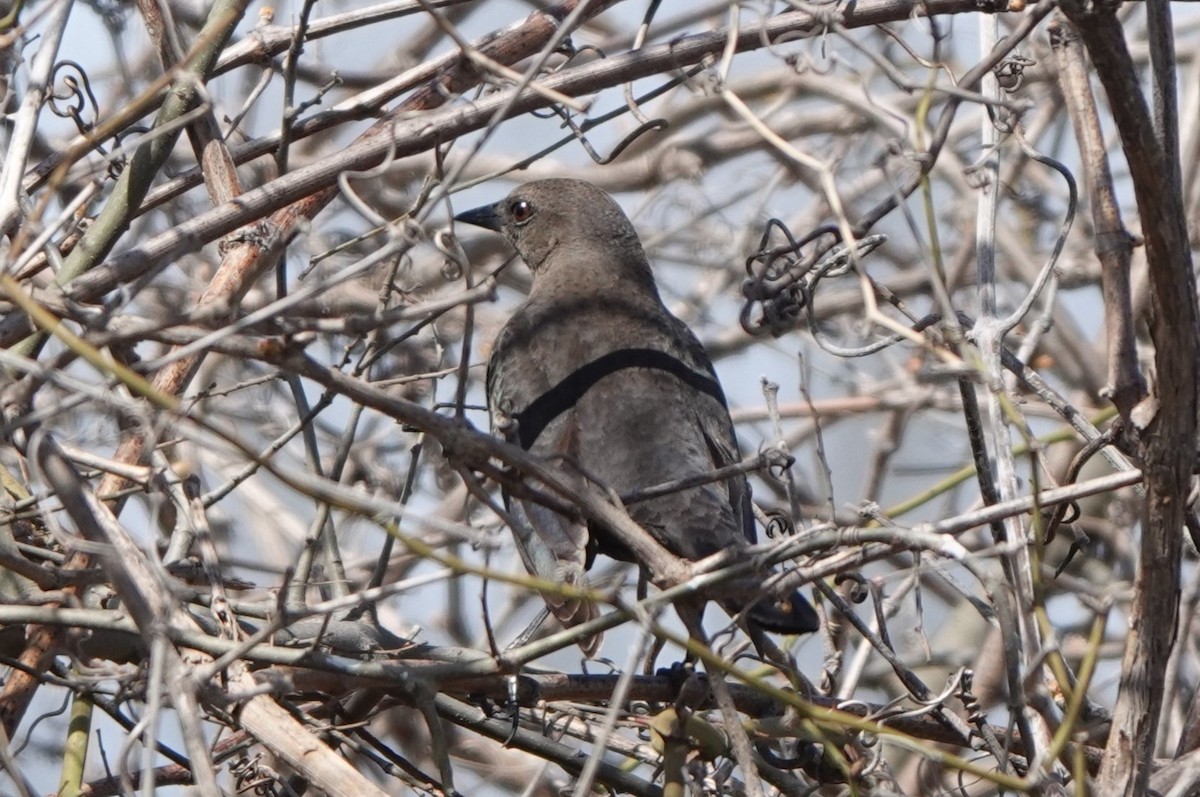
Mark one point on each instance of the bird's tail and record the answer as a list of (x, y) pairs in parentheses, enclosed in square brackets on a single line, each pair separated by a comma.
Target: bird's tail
[(574, 611), (790, 615)]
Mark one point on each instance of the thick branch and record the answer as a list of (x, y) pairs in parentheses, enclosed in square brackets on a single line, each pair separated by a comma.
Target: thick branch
[(1168, 424)]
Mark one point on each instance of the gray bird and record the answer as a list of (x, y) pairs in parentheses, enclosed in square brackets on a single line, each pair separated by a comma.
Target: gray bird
[(594, 373)]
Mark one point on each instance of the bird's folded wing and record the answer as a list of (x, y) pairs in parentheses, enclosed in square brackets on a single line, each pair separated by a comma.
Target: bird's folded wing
[(712, 416)]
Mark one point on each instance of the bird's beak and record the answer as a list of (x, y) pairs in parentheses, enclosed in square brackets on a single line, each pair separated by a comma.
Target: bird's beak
[(485, 217)]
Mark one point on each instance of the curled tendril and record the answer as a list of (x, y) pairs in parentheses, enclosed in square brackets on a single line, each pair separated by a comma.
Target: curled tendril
[(1070, 511), (780, 279), (861, 589), (966, 680), (1011, 71), (118, 160), (571, 52), (76, 101), (603, 160), (784, 264), (555, 727), (779, 524), (77, 97), (579, 129), (607, 662), (782, 282), (544, 113)]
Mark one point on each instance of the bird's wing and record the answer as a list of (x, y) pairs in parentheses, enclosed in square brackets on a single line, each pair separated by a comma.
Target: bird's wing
[(792, 614), (711, 414), (552, 546), (723, 455)]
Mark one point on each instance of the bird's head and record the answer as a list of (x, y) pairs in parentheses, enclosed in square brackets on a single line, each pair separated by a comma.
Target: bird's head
[(558, 221)]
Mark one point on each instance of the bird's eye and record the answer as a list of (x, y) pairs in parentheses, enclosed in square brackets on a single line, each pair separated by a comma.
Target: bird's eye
[(521, 211)]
